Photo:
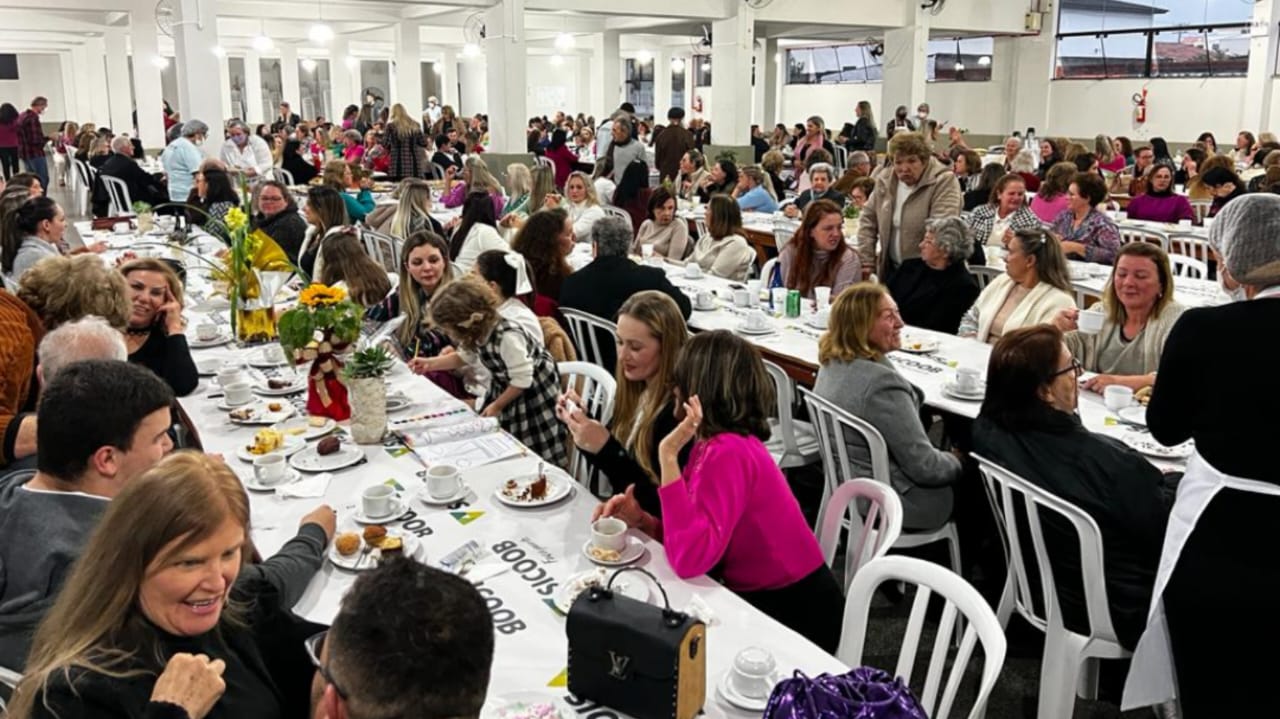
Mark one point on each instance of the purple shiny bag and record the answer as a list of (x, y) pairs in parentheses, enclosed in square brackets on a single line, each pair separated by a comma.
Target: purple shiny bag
[(862, 693)]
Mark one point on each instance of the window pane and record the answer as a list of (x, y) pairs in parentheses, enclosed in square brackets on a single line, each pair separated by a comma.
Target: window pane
[(1179, 54), (825, 66), (1228, 52), (1090, 15), (677, 87), (800, 67), (967, 59), (702, 71), (853, 63), (314, 86), (1126, 55)]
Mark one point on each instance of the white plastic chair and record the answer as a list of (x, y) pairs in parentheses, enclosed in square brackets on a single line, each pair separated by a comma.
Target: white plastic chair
[(1183, 266), (118, 191), (1130, 233), (767, 270), (700, 225), (613, 211), (587, 331), (435, 170), (960, 599), (832, 426), (868, 539), (1201, 208), (284, 176), (82, 184), (10, 679), (598, 389), (984, 274), (1065, 651), (841, 159), (1085, 296), (1190, 245), (792, 442), (382, 248)]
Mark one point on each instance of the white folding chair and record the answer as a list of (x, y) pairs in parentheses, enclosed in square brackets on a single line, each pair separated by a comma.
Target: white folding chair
[(1085, 296), (868, 539), (613, 211), (283, 176), (1188, 267), (81, 185), (544, 162), (791, 442), (1191, 245), (767, 270), (118, 191), (960, 599), (1015, 500), (1130, 233), (1201, 208), (588, 332), (984, 274), (833, 426), (384, 249), (598, 389)]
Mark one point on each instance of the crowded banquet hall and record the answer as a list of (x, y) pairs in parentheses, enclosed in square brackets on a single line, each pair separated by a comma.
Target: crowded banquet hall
[(518, 359)]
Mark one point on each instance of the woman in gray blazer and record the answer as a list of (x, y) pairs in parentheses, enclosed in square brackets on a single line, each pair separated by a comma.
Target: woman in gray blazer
[(856, 375)]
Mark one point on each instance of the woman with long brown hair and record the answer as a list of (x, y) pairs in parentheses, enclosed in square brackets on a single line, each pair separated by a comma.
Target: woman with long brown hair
[(817, 255), (424, 269), (347, 264), (545, 241)]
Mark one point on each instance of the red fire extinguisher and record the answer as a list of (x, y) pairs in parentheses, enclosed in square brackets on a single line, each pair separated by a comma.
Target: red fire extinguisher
[(1140, 106)]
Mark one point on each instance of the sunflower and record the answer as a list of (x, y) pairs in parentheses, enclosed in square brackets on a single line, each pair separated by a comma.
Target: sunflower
[(318, 295)]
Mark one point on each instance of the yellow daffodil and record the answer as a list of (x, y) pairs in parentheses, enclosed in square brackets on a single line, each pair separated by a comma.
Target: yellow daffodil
[(236, 220), (318, 295)]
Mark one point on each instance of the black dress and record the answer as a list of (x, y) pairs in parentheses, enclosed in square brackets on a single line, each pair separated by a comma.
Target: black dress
[(624, 470), (170, 358), (933, 299)]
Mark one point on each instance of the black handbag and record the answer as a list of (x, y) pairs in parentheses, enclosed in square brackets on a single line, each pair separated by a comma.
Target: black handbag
[(646, 661)]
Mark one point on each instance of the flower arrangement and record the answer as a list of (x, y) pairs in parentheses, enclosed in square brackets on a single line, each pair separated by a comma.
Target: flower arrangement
[(318, 330), (851, 211), (254, 269)]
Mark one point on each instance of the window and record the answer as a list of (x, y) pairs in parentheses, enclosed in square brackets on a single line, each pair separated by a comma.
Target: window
[(959, 60), (1146, 38), (702, 71), (640, 86), (313, 86), (834, 64), (272, 85), (677, 84)]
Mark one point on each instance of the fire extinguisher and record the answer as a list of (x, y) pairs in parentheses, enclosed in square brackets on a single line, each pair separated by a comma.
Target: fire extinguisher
[(1140, 106)]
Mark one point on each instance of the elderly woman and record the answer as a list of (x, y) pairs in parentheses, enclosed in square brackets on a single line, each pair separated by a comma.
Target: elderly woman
[(155, 332), (860, 192), (277, 215), (1052, 198), (821, 176), (1215, 559), (1140, 314), (1035, 287), (889, 231), (1028, 425), (352, 147), (1024, 166), (724, 252), (967, 165), (933, 290), (668, 235), (754, 192), (1086, 233), (692, 171), (1160, 203), (1006, 211), (720, 179), (817, 255), (856, 375), (164, 616)]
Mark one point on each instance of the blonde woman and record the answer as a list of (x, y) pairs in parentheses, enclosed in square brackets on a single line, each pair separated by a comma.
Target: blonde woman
[(519, 189), (1035, 287), (583, 206), (475, 178), (1105, 150), (724, 252), (413, 211), (405, 144)]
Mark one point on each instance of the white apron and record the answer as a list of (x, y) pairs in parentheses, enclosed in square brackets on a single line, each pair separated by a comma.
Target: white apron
[(1152, 678)]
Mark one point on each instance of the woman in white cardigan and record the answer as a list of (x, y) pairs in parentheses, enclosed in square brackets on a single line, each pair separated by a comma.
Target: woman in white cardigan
[(1036, 286), (1140, 313), (723, 251)]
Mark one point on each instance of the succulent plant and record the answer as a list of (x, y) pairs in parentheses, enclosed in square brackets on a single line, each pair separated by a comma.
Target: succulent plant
[(368, 363)]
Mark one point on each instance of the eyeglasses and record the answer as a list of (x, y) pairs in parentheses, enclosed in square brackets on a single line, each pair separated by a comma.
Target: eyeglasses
[(315, 646), (1075, 366), (270, 198)]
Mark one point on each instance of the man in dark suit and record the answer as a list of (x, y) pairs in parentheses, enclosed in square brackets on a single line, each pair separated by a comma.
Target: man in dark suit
[(143, 187), (603, 286), (286, 118), (669, 146)]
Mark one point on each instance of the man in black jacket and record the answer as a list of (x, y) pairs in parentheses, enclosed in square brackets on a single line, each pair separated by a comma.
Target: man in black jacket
[(143, 187), (286, 118), (601, 287)]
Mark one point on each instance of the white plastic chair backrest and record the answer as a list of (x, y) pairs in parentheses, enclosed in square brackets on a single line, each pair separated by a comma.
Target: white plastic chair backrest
[(870, 537), (121, 203), (544, 161), (1188, 267), (984, 274), (614, 211), (1190, 245), (1008, 492), (382, 248), (1085, 296), (784, 391), (586, 330), (829, 425), (1141, 234), (767, 270), (598, 390), (782, 236), (960, 598), (436, 170), (1201, 208), (82, 172), (841, 159), (284, 176)]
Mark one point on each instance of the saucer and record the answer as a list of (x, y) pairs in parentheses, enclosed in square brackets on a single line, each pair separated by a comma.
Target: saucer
[(1136, 414), (208, 367), (744, 329), (252, 483), (398, 508), (226, 406), (630, 554), (735, 699), (425, 497), (221, 338), (975, 395), (397, 402)]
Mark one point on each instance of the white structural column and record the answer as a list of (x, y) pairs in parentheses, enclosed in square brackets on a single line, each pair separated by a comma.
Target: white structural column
[(733, 43), (195, 36), (1263, 43), (289, 87), (905, 73), (449, 78), (767, 85), (1023, 66), (505, 70), (148, 98), (73, 86), (253, 87), (408, 68), (119, 94), (95, 74), (224, 86), (606, 74), (661, 86), (339, 77)]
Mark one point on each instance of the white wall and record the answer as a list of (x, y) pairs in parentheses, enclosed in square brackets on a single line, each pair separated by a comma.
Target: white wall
[(474, 86), (554, 87), (833, 103), (1177, 109), (37, 75)]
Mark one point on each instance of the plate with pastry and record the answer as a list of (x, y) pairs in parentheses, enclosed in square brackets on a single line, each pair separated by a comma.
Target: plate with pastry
[(630, 584), (613, 557), (327, 455), (1147, 445), (307, 428), (527, 705), (359, 550), (919, 345), (280, 386), (535, 490), (262, 412), (268, 441)]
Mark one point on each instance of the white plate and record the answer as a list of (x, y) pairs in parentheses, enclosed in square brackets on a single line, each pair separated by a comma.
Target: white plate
[(1136, 414), (411, 547), (299, 385), (397, 402), (291, 445), (631, 553), (812, 322), (208, 367), (734, 699), (744, 329), (309, 460), (260, 412), (258, 358), (398, 508), (558, 488), (949, 389), (430, 501), (521, 703), (1147, 445), (916, 345), (196, 343), (705, 308), (300, 427), (253, 485), (631, 584)]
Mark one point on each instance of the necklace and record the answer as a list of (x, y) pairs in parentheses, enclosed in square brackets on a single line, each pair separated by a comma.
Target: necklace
[(137, 331)]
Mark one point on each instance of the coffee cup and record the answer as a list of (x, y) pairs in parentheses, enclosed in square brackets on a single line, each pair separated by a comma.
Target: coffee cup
[(1117, 397), (377, 501), (822, 317), (229, 375), (1090, 321), (609, 533), (705, 300), (273, 353), (270, 469), (968, 379), (238, 393), (121, 228), (443, 481), (646, 251), (752, 673), (693, 270), (207, 331), (757, 320), (742, 298), (821, 296)]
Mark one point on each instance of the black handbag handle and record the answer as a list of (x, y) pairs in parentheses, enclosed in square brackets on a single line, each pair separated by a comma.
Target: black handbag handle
[(671, 616)]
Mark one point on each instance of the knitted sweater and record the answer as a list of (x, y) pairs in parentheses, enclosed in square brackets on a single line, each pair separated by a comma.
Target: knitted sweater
[(20, 333)]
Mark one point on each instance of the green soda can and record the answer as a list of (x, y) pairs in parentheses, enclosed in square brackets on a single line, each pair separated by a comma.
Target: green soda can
[(793, 303)]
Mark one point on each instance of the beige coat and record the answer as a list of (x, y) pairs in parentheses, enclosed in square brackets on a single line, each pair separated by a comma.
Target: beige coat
[(936, 195)]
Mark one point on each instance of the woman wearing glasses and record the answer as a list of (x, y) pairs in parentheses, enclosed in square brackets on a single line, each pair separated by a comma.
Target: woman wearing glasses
[(1028, 425)]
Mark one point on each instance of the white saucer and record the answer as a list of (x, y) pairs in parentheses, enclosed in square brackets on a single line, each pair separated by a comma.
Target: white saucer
[(1146, 444), (949, 389), (925, 346), (196, 343), (811, 322), (744, 329), (262, 388), (395, 403), (705, 308), (630, 554), (259, 359), (425, 497), (369, 561), (734, 699), (1136, 415), (631, 584), (253, 485), (208, 367), (227, 407), (398, 508), (260, 412), (301, 427)]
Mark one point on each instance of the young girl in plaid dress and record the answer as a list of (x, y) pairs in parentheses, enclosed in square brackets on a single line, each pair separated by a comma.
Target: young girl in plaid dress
[(525, 383)]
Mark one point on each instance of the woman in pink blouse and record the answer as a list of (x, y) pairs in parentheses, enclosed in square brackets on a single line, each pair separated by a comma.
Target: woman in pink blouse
[(730, 513), (352, 147)]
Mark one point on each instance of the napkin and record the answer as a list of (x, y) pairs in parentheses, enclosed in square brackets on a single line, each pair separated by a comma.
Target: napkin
[(313, 486), (702, 611)]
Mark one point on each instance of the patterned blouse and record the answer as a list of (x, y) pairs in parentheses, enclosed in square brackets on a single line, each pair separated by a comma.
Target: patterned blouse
[(1098, 234), (428, 341)]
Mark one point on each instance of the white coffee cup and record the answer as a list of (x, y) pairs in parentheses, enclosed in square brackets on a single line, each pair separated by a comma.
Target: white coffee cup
[(705, 300), (609, 533), (742, 298), (273, 353), (207, 331), (229, 375), (968, 379), (646, 251), (779, 296), (121, 228), (821, 296), (376, 501), (238, 393), (270, 468), (757, 320), (752, 673), (443, 481), (822, 317), (1117, 397), (1090, 321), (693, 270)]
